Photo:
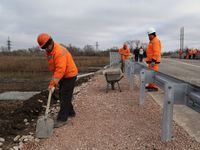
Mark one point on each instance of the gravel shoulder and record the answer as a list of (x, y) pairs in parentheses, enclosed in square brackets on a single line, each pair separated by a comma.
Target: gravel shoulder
[(113, 120)]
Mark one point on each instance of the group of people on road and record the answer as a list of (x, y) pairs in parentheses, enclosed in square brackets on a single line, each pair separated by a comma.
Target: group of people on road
[(64, 70), (139, 54), (152, 54), (189, 53)]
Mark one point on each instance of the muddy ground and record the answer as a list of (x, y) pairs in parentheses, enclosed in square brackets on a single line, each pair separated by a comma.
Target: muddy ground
[(19, 117)]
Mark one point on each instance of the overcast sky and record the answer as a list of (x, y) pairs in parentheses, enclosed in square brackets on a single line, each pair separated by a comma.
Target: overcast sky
[(110, 22)]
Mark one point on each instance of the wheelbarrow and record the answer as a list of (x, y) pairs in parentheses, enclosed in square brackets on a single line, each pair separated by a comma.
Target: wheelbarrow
[(113, 76)]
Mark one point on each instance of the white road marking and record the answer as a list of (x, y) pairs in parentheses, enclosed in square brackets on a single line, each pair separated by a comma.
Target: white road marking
[(183, 63)]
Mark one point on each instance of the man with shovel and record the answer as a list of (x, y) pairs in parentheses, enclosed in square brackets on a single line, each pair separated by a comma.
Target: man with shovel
[(64, 73)]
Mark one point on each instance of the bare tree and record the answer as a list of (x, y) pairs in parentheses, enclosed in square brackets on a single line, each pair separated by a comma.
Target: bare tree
[(130, 44), (137, 43), (4, 49), (133, 43), (144, 45), (89, 50)]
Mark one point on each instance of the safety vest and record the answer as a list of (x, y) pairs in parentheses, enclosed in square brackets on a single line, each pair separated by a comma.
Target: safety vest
[(125, 53), (61, 63), (154, 50)]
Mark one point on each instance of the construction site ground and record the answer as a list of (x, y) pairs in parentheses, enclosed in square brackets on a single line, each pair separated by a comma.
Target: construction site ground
[(18, 118), (113, 120)]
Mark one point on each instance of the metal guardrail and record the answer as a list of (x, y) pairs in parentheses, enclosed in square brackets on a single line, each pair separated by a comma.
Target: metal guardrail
[(176, 91), (84, 75)]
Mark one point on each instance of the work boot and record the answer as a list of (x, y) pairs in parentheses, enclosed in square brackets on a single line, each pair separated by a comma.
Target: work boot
[(72, 114), (152, 89), (148, 87), (59, 124)]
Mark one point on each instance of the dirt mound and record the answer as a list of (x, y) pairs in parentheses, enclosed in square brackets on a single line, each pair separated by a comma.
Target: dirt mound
[(19, 117)]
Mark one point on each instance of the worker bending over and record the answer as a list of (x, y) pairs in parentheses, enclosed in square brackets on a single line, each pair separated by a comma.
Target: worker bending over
[(64, 73)]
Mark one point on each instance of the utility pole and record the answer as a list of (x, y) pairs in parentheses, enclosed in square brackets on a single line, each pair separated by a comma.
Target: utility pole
[(9, 44), (97, 46), (182, 38)]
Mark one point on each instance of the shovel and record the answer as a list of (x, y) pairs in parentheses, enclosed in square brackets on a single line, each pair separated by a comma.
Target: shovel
[(44, 126)]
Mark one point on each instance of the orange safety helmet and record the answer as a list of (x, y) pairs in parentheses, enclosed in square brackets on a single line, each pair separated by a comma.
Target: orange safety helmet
[(42, 39)]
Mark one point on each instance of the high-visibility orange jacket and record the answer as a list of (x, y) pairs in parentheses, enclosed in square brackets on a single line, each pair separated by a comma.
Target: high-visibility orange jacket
[(154, 51), (190, 51), (61, 64), (125, 53), (194, 51)]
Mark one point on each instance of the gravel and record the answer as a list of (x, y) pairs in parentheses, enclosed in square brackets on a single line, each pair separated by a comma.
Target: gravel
[(113, 120)]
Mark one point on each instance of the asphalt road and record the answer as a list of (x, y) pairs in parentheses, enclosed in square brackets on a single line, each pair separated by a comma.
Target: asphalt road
[(187, 70)]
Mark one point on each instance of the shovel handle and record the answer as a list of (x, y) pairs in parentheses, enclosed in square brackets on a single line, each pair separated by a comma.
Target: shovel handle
[(48, 103)]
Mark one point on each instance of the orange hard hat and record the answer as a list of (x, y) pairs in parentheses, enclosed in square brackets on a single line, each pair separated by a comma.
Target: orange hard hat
[(42, 39)]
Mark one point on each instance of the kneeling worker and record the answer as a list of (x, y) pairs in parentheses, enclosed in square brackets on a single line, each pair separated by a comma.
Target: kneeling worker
[(64, 73), (153, 55)]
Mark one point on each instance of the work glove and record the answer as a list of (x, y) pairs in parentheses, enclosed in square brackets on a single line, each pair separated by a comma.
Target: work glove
[(52, 85), (153, 62), (51, 89)]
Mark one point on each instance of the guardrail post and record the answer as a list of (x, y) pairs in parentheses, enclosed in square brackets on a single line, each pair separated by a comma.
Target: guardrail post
[(167, 113), (131, 83), (146, 76), (142, 87), (127, 69)]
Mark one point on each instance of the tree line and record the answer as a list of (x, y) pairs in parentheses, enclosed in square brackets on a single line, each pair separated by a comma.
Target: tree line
[(87, 50)]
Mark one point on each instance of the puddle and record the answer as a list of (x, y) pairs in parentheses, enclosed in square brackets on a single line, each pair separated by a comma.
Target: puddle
[(16, 95)]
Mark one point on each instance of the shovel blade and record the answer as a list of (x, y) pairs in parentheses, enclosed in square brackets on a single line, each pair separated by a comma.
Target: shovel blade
[(44, 127)]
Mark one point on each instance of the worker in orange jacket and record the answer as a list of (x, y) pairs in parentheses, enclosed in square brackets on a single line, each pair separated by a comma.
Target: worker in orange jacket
[(64, 73), (124, 54), (190, 53), (153, 55), (194, 53)]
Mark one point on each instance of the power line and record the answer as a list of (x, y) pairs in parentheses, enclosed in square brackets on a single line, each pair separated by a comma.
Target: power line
[(9, 44), (97, 46)]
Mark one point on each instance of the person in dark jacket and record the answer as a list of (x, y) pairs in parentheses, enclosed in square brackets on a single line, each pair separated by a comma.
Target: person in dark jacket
[(141, 54), (136, 53)]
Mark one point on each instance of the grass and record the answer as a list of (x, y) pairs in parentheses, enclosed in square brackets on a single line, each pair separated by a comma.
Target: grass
[(30, 73), (39, 64)]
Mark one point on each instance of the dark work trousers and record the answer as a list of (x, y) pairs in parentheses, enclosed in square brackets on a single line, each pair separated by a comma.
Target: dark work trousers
[(136, 57), (141, 57), (66, 88), (122, 66)]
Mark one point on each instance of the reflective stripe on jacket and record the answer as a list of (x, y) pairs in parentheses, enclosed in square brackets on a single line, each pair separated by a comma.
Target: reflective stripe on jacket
[(154, 50), (61, 63)]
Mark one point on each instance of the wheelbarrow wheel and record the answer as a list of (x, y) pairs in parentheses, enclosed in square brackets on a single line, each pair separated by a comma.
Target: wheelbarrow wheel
[(113, 85)]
